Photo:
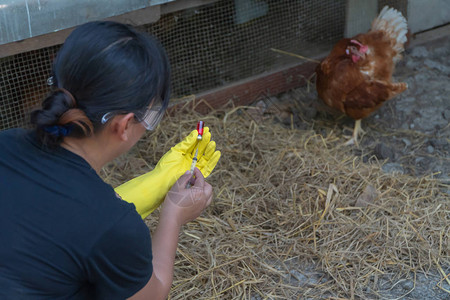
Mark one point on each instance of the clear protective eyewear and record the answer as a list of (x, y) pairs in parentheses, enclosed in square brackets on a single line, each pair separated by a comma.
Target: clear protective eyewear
[(150, 119)]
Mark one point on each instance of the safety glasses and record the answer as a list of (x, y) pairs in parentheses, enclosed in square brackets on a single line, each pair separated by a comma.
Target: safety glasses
[(150, 118)]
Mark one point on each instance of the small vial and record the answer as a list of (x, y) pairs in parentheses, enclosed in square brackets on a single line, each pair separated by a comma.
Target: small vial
[(200, 126)]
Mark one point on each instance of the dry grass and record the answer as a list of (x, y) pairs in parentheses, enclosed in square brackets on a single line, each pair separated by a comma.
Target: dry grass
[(284, 223)]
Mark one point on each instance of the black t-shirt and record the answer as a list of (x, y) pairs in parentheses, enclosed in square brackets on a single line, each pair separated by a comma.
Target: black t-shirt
[(64, 234)]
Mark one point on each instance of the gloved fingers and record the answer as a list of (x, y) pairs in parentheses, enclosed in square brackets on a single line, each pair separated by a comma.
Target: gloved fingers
[(209, 151), (207, 155), (203, 143), (188, 144), (213, 161), (206, 166)]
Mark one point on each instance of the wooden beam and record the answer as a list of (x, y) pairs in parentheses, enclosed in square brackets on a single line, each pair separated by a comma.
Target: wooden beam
[(251, 89), (37, 42), (174, 6)]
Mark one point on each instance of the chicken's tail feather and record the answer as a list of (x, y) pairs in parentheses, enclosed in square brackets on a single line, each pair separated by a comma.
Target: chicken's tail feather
[(394, 24)]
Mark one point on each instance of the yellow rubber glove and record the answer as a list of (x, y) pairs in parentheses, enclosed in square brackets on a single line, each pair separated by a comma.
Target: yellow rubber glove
[(148, 191)]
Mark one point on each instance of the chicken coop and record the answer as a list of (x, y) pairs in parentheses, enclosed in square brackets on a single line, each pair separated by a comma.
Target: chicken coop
[(220, 50)]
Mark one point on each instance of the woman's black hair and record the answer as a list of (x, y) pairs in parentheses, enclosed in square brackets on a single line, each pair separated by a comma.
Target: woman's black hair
[(102, 67)]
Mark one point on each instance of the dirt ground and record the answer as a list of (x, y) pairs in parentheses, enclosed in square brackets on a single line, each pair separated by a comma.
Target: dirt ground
[(410, 134)]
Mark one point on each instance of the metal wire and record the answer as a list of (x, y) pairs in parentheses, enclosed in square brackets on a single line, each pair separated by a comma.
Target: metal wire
[(208, 46)]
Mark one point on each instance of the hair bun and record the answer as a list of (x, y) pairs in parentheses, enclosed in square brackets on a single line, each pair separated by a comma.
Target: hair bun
[(58, 117), (54, 106)]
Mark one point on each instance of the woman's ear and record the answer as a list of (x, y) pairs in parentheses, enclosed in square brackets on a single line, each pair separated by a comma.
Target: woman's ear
[(121, 125)]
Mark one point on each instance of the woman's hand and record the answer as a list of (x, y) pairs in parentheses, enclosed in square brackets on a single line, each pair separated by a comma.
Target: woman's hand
[(147, 191), (180, 206), (186, 204)]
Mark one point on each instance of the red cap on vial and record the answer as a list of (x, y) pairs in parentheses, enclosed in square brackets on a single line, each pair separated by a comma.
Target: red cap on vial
[(200, 126)]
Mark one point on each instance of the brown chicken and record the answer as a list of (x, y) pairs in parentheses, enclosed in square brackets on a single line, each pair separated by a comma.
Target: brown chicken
[(356, 77)]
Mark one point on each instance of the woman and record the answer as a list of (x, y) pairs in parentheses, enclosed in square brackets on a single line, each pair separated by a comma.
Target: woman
[(64, 232)]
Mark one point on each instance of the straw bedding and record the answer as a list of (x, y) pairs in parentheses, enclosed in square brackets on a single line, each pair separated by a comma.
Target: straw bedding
[(296, 215)]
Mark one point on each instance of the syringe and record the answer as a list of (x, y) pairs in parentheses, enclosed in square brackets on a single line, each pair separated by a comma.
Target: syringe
[(200, 126), (194, 162)]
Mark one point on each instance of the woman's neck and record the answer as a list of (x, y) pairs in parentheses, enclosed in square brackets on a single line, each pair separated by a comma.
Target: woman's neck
[(89, 149)]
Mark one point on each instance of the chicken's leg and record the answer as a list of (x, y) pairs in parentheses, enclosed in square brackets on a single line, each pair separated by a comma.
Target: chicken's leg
[(356, 131)]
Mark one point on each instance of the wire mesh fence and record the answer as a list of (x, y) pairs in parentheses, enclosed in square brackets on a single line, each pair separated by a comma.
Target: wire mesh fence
[(209, 47), (23, 85)]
